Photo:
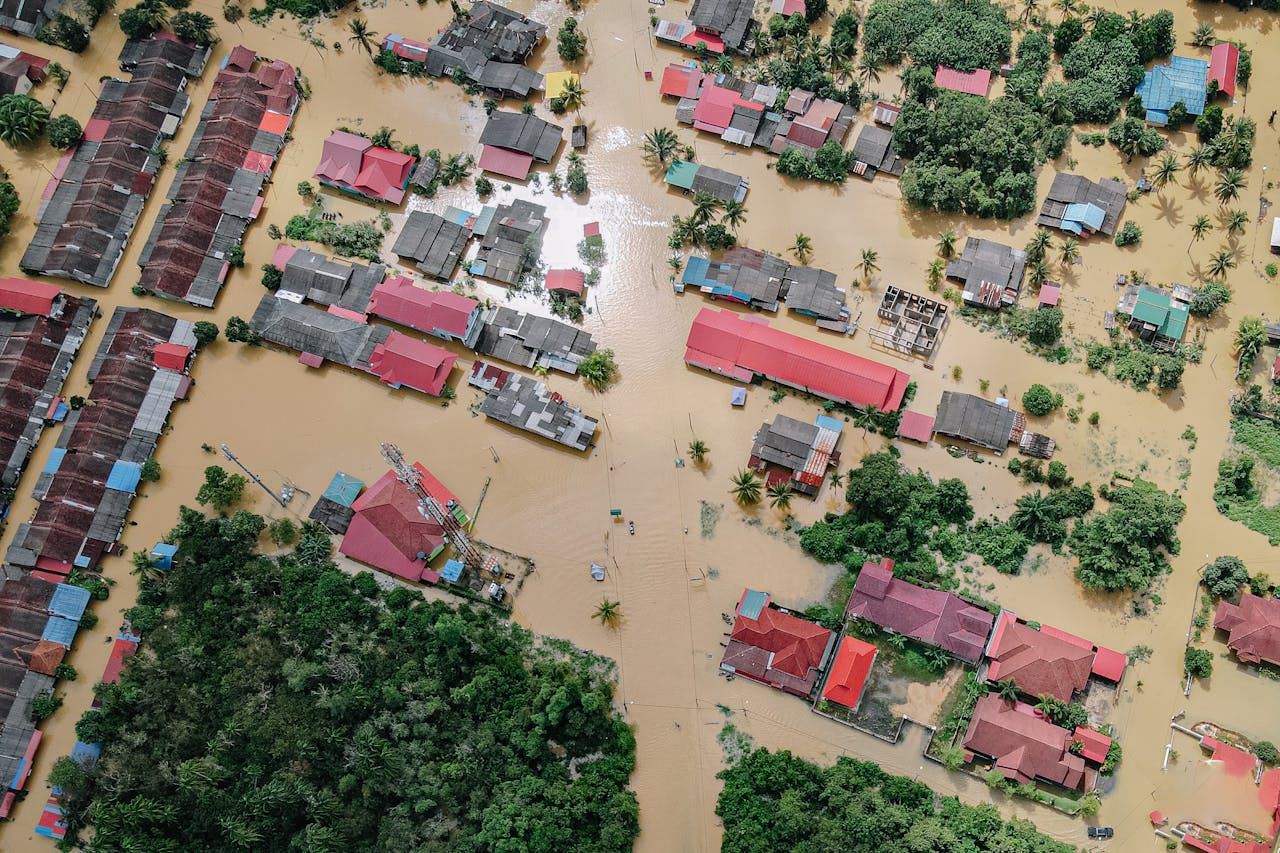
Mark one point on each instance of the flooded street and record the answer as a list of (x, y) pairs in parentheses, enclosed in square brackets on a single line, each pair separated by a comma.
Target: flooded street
[(673, 577)]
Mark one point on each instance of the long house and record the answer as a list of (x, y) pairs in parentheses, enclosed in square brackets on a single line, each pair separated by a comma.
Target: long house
[(216, 193), (531, 406), (89, 481), (487, 46), (99, 188)]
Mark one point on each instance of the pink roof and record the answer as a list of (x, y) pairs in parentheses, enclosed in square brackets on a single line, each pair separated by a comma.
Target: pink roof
[(1235, 761), (727, 343), (384, 173), (1109, 664), (505, 162), (95, 129), (787, 8), (715, 108), (258, 161), (388, 532), (282, 254), (714, 43), (401, 360), (1252, 626), (341, 157), (434, 487), (397, 299), (569, 281), (971, 82), (28, 297), (1095, 743), (347, 313), (172, 356), (849, 672), (916, 426), (276, 123), (1223, 63), (1039, 662), (591, 229), (122, 649), (310, 359), (1049, 294), (680, 80)]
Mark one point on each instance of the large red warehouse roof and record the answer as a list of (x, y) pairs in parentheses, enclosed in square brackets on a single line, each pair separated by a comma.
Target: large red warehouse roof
[(726, 343)]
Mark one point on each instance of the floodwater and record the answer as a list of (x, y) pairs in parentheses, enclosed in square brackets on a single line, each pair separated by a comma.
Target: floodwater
[(285, 421)]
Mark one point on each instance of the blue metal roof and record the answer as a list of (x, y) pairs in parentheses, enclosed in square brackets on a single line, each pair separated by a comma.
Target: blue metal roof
[(1183, 79), (86, 754), (124, 476), (452, 571), (695, 272), (738, 397), (162, 554), (55, 460), (344, 489), (69, 601), (61, 630), (1089, 214), (828, 422), (753, 601)]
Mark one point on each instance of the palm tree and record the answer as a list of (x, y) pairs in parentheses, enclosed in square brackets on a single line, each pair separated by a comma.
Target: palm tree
[(1166, 169), (724, 64), (898, 641), (1039, 273), (573, 95), (835, 478), (1039, 245), (1236, 222), (705, 206), (947, 243), (780, 496), (936, 268), (1229, 184), (1070, 251), (1066, 7), (660, 144), (1055, 106), (733, 214), (608, 613), (361, 35), (1221, 262), (1203, 36), (1047, 705), (1035, 516), (830, 53), (22, 119), (1096, 15), (865, 418), (1251, 337), (868, 70), (1201, 157), (802, 248), (868, 264), (1029, 9), (1007, 690), (1199, 228), (745, 487), (698, 451)]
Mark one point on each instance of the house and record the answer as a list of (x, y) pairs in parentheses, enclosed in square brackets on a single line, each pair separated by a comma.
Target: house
[(442, 313), (433, 243), (885, 113), (558, 82), (322, 335), (821, 121), (179, 54), (510, 240), (991, 273), (1157, 315), (1081, 207), (813, 292), (873, 153), (19, 70), (388, 531), (932, 616), (759, 288), (787, 8), (88, 483), (489, 44), (978, 421), (969, 82), (401, 361), (99, 188), (308, 275), (410, 50), (1252, 626), (729, 20), (216, 193), (796, 453), (849, 673), (681, 80), (528, 340), (771, 646), (1049, 296), (425, 173), (1024, 747), (513, 141), (1093, 744), (566, 282), (721, 185), (1040, 663), (1183, 80), (528, 405), (685, 35), (355, 165), (742, 348), (28, 17), (916, 426)]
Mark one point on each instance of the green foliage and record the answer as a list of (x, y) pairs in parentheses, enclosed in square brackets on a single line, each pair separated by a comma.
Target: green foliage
[(194, 27), (1000, 545), (598, 369), (1067, 34), (1209, 123), (205, 332), (964, 36), (150, 471), (1134, 138), (1129, 235), (63, 131), (1225, 575), (65, 672), (142, 20), (1209, 298), (1102, 68), (43, 707), (272, 277), (22, 119), (1038, 400), (382, 722), (570, 43), (484, 186), (9, 204), (65, 32), (355, 239), (1044, 326), (283, 532), (1198, 662), (1125, 547), (238, 330), (1266, 752), (576, 176), (220, 489), (776, 802), (303, 10)]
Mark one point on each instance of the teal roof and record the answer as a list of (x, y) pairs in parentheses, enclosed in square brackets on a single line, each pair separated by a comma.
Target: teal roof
[(1152, 307), (344, 489), (753, 601), (1175, 325), (681, 173)]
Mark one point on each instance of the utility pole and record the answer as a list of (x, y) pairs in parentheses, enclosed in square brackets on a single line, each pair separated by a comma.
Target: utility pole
[(282, 498)]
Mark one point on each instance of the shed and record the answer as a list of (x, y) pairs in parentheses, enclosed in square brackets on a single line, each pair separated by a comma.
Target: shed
[(916, 426), (69, 601), (503, 161), (1224, 62), (1095, 743), (753, 601), (970, 82), (344, 489), (849, 672), (162, 555), (124, 476), (738, 397), (566, 281), (452, 571), (1049, 294), (1109, 664), (558, 81)]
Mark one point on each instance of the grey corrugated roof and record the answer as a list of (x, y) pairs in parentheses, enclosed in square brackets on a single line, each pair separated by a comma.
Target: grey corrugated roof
[(814, 291), (975, 420), (524, 133), (1108, 194), (435, 243), (528, 405), (312, 330), (785, 442)]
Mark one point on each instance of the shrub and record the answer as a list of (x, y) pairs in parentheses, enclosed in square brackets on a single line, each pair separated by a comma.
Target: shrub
[(150, 471), (1225, 575), (570, 43), (65, 672), (1129, 235), (1040, 401), (1198, 662), (1266, 752), (63, 132), (42, 707), (1208, 298)]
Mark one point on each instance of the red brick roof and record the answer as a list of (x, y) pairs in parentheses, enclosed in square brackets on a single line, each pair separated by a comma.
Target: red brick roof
[(1025, 746), (930, 615), (46, 656), (1038, 662), (1252, 626), (778, 649), (849, 672)]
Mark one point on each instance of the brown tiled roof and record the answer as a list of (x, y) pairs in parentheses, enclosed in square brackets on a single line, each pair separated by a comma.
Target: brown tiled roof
[(1252, 626), (46, 656), (1040, 664), (1025, 746)]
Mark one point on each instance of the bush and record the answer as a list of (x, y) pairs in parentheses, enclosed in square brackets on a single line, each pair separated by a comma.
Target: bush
[(484, 186), (1225, 575), (283, 532), (272, 277), (65, 672), (66, 32), (570, 43), (43, 707), (576, 176), (205, 332), (1040, 401), (1129, 235), (63, 132), (1266, 752), (598, 369), (1125, 547), (1208, 298), (1198, 662), (150, 471), (1044, 326), (239, 331)]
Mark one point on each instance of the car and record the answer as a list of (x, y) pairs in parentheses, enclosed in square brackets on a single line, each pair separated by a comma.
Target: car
[(1101, 832)]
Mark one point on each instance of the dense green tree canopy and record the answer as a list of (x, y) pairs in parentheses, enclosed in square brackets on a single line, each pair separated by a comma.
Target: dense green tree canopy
[(282, 705), (961, 35), (1124, 547)]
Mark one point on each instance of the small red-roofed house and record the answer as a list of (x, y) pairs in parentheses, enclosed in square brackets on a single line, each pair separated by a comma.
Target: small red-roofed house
[(566, 281), (970, 82), (441, 313), (681, 80), (121, 650), (1224, 62), (849, 672), (172, 356), (916, 426), (1095, 743), (404, 361), (777, 649), (28, 297)]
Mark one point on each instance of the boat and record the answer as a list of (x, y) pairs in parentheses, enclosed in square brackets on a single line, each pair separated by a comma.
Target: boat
[(597, 571)]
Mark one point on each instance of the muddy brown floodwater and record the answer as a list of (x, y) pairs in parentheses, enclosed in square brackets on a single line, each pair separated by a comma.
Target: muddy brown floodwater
[(285, 421)]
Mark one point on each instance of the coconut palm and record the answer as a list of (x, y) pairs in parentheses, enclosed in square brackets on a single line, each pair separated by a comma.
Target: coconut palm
[(22, 119), (1069, 252), (947, 243), (1035, 517), (609, 612), (1166, 170), (1039, 244), (1251, 337), (1203, 35), (745, 487), (1236, 222), (1066, 7), (868, 70), (573, 95), (1199, 228), (1039, 272), (1230, 182), (898, 641), (1029, 9), (835, 478), (1096, 15), (361, 36), (1055, 106), (780, 496), (705, 206), (936, 268), (698, 451), (733, 214), (1221, 262), (660, 144), (724, 64), (1201, 157), (868, 263), (802, 248), (865, 418), (1007, 690)]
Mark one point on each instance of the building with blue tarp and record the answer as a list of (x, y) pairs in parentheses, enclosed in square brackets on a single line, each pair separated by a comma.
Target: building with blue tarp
[(86, 754), (344, 489), (162, 555), (1183, 79), (61, 630), (452, 571), (1082, 219), (69, 601), (124, 476)]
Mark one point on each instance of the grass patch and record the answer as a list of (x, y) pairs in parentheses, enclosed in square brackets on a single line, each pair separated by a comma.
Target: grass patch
[(708, 516), (1262, 437)]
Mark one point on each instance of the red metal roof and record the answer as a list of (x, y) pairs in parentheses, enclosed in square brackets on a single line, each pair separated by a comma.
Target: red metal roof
[(399, 300), (402, 360), (172, 356), (1095, 743), (570, 281), (115, 664), (504, 161), (849, 672), (388, 532), (1109, 664), (715, 108), (1223, 63), (1049, 294), (714, 43), (916, 426), (680, 80), (970, 82), (733, 345), (28, 297)]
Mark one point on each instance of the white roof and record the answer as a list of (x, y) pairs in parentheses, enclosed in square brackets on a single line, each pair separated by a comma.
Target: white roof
[(1275, 233)]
